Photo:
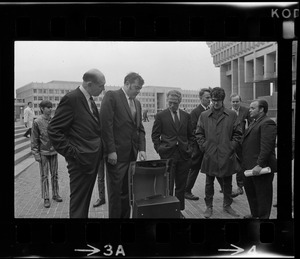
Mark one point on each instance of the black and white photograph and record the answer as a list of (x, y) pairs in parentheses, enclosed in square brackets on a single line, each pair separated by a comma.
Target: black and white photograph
[(108, 157)]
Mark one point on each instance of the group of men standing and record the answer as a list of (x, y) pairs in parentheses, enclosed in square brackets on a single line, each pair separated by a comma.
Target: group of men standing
[(209, 139)]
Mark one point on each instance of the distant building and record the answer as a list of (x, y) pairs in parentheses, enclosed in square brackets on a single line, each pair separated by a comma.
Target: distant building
[(20, 105), (250, 69), (152, 98)]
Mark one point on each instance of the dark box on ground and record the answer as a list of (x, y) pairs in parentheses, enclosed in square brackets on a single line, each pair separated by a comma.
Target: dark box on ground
[(149, 190)]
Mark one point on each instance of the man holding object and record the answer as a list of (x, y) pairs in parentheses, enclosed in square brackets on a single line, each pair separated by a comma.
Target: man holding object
[(258, 151)]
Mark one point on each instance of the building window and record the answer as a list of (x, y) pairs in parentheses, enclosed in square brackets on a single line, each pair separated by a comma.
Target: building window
[(50, 91), (56, 98), (45, 91), (34, 98), (40, 91), (62, 91), (34, 91), (40, 98)]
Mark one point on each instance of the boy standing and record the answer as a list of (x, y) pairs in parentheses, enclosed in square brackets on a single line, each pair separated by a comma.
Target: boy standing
[(44, 153)]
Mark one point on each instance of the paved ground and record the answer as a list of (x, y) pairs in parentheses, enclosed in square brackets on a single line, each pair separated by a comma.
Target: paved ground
[(29, 204)]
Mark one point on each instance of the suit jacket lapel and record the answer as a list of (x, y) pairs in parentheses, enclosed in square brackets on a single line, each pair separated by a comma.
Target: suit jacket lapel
[(126, 105), (86, 105), (252, 125)]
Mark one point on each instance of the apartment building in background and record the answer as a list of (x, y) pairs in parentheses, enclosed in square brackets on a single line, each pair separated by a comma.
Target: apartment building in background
[(250, 69), (152, 98)]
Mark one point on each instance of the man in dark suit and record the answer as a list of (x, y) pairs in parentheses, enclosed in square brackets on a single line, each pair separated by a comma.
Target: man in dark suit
[(243, 117), (124, 138), (172, 137), (75, 134), (258, 151), (197, 155)]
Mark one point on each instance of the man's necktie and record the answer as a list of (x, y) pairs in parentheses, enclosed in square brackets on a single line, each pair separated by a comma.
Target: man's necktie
[(94, 108), (132, 107), (177, 123)]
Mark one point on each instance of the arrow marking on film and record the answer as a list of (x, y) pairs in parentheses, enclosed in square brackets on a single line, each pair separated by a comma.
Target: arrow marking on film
[(94, 250), (236, 251)]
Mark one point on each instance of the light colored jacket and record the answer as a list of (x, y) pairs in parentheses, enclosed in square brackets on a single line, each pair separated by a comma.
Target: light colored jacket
[(28, 116)]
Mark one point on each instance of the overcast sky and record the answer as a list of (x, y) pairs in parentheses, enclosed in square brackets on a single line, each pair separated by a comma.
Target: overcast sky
[(187, 65)]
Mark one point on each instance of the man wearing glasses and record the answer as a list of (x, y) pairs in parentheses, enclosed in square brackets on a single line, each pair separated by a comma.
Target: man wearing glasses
[(218, 135)]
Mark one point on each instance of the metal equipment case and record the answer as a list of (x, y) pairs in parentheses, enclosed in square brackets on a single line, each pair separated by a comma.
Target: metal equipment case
[(149, 190)]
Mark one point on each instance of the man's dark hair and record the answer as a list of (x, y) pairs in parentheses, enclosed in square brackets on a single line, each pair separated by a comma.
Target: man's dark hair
[(203, 90), (29, 103), (131, 77), (218, 93), (45, 103), (263, 104)]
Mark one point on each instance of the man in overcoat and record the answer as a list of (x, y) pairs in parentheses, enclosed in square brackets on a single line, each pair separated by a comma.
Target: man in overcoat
[(258, 151), (218, 135)]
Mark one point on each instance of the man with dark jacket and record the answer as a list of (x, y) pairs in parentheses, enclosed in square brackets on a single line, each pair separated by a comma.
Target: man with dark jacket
[(243, 117), (197, 155), (258, 151), (218, 135), (75, 134), (124, 139), (172, 137)]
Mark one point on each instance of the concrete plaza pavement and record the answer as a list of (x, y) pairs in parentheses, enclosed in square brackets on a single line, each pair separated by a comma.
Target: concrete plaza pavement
[(29, 204)]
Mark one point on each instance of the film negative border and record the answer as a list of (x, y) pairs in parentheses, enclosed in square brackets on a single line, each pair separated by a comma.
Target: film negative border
[(161, 22), (149, 22)]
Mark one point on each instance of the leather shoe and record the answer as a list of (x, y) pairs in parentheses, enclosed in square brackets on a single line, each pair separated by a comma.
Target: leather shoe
[(99, 202), (46, 203), (190, 196), (208, 212), (250, 217), (239, 191), (230, 211), (57, 198)]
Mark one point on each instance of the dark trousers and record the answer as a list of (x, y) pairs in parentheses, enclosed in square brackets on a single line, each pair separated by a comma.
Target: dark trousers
[(240, 179), (226, 185), (28, 132), (195, 168), (259, 191), (118, 189), (81, 189), (178, 176), (101, 179)]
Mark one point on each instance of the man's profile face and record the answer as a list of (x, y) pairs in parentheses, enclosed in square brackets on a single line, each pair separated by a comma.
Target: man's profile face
[(254, 110), (205, 99)]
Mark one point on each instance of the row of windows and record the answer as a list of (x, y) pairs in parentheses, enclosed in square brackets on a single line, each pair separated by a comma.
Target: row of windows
[(51, 91), (234, 50)]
